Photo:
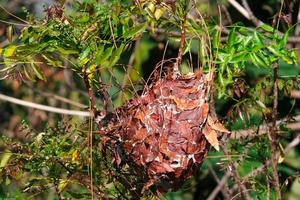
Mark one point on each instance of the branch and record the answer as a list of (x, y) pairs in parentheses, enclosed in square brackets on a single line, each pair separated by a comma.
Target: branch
[(220, 186), (181, 46), (57, 97), (261, 169), (246, 12), (254, 19), (236, 177), (43, 107), (98, 116), (273, 133)]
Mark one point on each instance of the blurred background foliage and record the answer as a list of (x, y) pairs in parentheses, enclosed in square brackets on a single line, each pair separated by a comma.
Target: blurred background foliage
[(50, 156)]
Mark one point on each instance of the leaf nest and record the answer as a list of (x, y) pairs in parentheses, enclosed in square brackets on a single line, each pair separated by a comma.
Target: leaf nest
[(165, 134)]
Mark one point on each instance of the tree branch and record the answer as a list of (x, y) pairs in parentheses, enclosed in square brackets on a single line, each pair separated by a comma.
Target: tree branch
[(246, 12), (43, 107), (273, 133)]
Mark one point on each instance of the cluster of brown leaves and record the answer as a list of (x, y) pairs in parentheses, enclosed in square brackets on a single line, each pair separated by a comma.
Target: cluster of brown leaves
[(166, 132)]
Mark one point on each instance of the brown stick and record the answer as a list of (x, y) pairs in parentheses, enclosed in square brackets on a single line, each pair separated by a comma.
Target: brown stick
[(236, 177), (273, 133), (221, 185), (91, 98), (180, 51)]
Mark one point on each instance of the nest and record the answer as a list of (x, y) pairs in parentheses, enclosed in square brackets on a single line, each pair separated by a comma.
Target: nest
[(165, 134)]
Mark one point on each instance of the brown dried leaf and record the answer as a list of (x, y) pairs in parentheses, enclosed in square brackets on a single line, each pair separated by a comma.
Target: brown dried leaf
[(160, 167), (211, 136), (216, 125), (185, 104)]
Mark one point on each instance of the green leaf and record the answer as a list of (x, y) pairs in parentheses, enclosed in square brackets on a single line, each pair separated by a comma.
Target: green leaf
[(84, 56), (133, 32), (258, 39), (107, 53), (98, 55), (52, 62), (116, 55), (283, 40), (274, 51), (66, 51), (267, 28), (9, 51), (239, 57), (216, 38), (231, 38), (258, 60), (37, 72)]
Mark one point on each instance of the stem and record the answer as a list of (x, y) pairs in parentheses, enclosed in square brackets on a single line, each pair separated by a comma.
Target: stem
[(93, 108), (236, 177), (181, 46), (273, 133), (43, 107)]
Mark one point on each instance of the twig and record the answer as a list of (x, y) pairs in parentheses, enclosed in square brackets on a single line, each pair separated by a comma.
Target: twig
[(112, 32), (130, 65), (245, 12), (254, 19), (273, 132), (180, 51), (236, 177), (240, 8), (297, 29), (93, 108), (220, 186), (43, 107), (261, 169), (11, 14), (59, 98)]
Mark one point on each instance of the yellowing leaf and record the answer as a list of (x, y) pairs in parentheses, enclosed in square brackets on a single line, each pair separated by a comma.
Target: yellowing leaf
[(9, 51), (282, 154), (62, 184), (151, 7), (4, 159), (75, 155), (159, 12)]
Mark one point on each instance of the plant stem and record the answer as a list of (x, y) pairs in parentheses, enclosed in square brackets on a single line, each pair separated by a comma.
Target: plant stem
[(93, 107), (236, 177), (180, 51), (273, 133)]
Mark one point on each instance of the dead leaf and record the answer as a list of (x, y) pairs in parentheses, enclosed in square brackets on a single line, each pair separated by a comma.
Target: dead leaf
[(216, 125), (185, 104), (211, 136)]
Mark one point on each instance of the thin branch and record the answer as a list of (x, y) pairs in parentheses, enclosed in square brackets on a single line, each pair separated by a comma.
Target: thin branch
[(181, 46), (273, 132), (240, 8), (93, 108), (295, 142), (43, 107), (297, 29), (236, 177), (254, 19), (220, 186), (11, 14), (246, 12), (57, 97)]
